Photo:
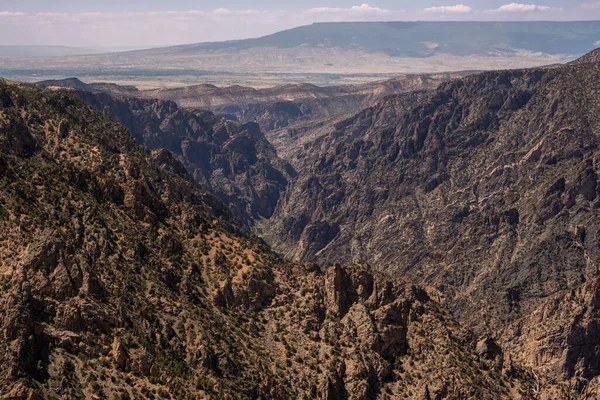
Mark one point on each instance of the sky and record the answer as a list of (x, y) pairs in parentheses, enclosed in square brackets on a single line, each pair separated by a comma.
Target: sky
[(147, 23)]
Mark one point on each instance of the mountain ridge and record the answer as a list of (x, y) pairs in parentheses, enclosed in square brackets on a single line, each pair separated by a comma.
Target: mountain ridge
[(329, 52), (282, 112), (122, 278), (361, 35)]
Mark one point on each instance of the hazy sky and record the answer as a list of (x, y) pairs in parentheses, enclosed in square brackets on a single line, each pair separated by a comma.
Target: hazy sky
[(131, 23)]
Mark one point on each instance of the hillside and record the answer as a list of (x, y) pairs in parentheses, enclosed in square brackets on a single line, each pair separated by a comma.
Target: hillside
[(121, 278), (234, 161), (73, 83), (303, 143), (486, 189), (591, 57)]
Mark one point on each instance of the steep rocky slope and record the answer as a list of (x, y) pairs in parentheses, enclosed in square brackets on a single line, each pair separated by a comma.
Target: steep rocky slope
[(121, 278), (295, 118), (486, 189), (591, 57), (232, 160), (304, 143), (281, 106)]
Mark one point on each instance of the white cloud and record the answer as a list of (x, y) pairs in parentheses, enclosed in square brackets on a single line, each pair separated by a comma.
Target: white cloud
[(222, 11), (591, 6), (518, 7), (459, 9), (11, 14), (367, 8), (363, 8), (52, 14), (166, 15), (140, 29), (169, 13), (225, 11)]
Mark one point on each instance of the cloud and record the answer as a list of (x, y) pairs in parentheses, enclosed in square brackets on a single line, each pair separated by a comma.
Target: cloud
[(518, 7), (222, 11), (367, 8), (173, 13), (166, 14), (458, 9), (225, 11), (144, 28), (363, 8), (11, 14), (591, 6), (52, 14)]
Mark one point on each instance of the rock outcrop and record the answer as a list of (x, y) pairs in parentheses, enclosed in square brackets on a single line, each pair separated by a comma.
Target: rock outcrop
[(304, 143)]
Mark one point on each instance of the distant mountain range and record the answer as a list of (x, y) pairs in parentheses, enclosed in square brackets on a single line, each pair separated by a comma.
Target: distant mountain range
[(422, 39), (364, 51)]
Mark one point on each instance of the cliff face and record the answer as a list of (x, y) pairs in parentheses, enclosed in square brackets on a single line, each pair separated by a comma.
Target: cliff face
[(305, 142), (232, 160), (486, 189), (294, 118), (121, 278), (282, 106)]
